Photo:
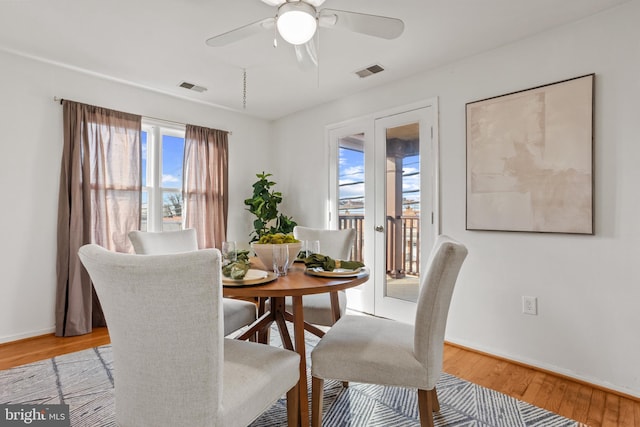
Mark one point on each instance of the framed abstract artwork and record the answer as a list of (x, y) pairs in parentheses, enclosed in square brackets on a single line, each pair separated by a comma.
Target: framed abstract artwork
[(530, 159)]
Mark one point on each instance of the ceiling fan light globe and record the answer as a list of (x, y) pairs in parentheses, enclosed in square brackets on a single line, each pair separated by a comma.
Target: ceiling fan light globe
[(296, 22)]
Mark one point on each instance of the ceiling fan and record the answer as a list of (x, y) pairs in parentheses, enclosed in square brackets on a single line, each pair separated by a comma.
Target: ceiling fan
[(297, 22)]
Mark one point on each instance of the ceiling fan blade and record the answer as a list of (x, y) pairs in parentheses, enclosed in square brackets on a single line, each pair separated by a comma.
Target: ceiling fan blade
[(314, 3), (307, 55), (274, 2), (372, 25), (241, 33)]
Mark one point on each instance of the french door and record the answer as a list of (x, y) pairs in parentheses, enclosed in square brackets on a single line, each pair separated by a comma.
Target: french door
[(351, 193), (384, 184)]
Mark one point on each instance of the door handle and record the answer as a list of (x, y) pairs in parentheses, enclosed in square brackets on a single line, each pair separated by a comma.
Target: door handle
[(380, 229)]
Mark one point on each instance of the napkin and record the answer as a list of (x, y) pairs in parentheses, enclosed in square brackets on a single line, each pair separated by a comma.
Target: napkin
[(236, 270), (329, 264), (242, 255)]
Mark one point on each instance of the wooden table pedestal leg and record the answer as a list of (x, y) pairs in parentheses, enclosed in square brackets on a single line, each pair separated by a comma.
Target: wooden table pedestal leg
[(298, 328)]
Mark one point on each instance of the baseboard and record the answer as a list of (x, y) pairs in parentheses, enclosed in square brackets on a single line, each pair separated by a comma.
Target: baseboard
[(608, 388), (26, 335)]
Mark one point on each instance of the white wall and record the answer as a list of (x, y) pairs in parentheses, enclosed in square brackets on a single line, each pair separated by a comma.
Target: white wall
[(588, 287), (30, 154)]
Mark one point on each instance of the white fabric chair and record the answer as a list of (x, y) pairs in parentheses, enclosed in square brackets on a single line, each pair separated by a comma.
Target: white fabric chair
[(237, 313), (172, 364), (337, 245), (380, 351), (165, 242)]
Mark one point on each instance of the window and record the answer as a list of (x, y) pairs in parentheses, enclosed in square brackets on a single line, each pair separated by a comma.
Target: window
[(162, 166)]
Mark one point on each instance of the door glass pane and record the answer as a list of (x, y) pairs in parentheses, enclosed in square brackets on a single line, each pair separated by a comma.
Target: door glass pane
[(403, 212), (351, 189)]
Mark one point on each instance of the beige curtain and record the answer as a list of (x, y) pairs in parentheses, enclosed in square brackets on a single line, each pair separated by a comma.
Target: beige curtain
[(99, 202), (206, 184)]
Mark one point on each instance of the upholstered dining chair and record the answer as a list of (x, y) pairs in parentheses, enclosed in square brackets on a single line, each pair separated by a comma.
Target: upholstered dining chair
[(381, 351), (237, 313), (172, 364), (337, 245)]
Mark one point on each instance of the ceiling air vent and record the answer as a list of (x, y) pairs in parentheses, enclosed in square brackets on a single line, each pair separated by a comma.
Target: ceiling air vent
[(192, 86), (369, 71)]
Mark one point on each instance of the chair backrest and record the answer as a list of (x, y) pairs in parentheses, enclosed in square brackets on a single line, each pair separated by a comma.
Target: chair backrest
[(165, 321), (333, 243), (434, 299), (165, 242)]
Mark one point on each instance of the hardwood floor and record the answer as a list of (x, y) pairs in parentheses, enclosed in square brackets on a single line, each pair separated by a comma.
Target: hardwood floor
[(573, 399), (46, 346)]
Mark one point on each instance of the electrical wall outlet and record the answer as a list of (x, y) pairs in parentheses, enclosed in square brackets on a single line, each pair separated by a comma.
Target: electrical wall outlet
[(530, 305)]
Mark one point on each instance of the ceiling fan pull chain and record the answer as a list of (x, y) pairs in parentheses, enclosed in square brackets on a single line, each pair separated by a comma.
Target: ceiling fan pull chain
[(244, 88)]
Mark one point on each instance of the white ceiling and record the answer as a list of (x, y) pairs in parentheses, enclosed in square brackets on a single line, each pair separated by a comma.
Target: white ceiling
[(159, 43)]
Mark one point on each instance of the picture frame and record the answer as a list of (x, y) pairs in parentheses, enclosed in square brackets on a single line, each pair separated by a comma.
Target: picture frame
[(530, 159)]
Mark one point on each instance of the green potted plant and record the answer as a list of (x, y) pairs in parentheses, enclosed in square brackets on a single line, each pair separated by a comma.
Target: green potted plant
[(264, 205)]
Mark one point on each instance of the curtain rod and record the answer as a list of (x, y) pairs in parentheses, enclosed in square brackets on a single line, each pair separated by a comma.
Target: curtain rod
[(61, 100)]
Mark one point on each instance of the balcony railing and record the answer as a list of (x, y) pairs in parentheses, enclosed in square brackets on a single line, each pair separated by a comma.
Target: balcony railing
[(403, 243)]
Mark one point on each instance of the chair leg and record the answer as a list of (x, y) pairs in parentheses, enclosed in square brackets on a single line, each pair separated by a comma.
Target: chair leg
[(262, 336), (436, 402), (317, 394), (292, 407), (425, 407)]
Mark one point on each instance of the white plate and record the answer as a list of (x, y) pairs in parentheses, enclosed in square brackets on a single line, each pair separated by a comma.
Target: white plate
[(337, 272), (253, 274), (253, 277)]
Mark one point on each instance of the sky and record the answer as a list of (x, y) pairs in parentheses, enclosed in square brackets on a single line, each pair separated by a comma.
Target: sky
[(351, 177)]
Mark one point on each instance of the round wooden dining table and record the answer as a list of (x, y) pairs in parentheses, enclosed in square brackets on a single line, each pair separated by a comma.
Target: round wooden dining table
[(295, 284)]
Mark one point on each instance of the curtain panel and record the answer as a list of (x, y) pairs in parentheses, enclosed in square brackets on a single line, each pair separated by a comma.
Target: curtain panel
[(99, 202), (206, 184)]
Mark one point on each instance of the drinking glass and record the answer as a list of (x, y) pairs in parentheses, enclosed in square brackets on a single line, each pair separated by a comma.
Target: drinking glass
[(311, 247), (229, 253), (280, 259)]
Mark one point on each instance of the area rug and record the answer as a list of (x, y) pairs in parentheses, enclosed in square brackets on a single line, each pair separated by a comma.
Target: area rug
[(84, 380)]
